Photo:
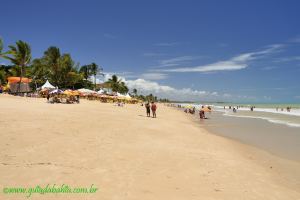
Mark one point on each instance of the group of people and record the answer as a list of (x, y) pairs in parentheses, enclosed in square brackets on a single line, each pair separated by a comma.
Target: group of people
[(57, 98), (151, 107), (288, 109)]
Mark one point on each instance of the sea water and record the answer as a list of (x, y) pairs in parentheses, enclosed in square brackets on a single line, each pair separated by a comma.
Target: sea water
[(273, 113), (277, 132)]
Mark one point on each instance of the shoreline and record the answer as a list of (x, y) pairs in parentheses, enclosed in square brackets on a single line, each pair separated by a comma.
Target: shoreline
[(130, 156), (277, 139)]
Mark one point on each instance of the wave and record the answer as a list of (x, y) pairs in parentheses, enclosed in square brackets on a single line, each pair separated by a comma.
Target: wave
[(275, 121)]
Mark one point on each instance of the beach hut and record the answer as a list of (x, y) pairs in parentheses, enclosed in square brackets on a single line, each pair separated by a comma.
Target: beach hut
[(13, 84), (47, 85)]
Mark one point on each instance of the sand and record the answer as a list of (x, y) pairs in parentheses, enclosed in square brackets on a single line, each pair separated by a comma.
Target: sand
[(129, 156)]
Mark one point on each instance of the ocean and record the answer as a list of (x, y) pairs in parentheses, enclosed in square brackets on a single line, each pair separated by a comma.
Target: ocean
[(274, 130), (273, 113)]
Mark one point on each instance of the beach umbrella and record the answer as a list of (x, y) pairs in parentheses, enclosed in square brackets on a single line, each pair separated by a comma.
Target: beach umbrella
[(56, 91), (75, 92), (86, 91), (68, 92)]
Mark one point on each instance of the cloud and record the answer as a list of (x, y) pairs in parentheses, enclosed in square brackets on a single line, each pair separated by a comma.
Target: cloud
[(171, 62), (146, 87), (153, 54), (235, 63), (178, 60), (154, 76), (288, 59), (269, 68), (163, 91), (295, 40)]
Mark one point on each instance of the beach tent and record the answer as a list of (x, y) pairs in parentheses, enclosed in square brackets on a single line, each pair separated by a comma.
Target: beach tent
[(100, 91), (120, 95), (86, 91), (47, 85)]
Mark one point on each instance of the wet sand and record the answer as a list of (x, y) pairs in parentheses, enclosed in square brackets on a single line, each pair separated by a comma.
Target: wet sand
[(278, 139), (129, 156)]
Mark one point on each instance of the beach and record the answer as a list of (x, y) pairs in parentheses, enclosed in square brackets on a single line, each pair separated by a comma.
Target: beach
[(129, 156)]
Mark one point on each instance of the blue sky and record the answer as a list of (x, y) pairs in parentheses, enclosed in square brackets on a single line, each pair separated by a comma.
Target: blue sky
[(243, 51)]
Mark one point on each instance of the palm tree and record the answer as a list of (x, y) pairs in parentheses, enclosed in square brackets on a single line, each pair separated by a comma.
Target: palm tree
[(85, 70), (95, 69), (117, 85), (114, 83), (52, 58), (2, 54), (21, 56), (123, 89), (134, 91)]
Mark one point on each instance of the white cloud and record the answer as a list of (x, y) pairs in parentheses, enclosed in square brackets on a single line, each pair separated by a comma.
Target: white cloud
[(153, 54), (163, 91), (235, 63), (295, 40), (177, 60), (288, 59), (154, 76), (269, 68)]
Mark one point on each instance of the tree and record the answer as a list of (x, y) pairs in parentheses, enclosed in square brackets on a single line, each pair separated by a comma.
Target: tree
[(117, 85), (85, 70), (21, 57), (52, 60), (134, 91), (123, 89), (94, 70), (114, 83)]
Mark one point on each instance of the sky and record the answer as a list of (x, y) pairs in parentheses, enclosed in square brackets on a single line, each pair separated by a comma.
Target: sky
[(231, 50)]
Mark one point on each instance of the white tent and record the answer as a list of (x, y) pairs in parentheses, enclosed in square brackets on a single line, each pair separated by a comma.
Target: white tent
[(86, 91), (100, 91), (120, 95), (47, 85)]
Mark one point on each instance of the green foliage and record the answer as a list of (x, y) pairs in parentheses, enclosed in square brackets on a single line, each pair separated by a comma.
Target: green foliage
[(117, 85), (59, 69)]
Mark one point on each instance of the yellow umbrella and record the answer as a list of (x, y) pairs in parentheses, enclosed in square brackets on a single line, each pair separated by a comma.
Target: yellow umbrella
[(75, 92), (189, 106), (67, 92)]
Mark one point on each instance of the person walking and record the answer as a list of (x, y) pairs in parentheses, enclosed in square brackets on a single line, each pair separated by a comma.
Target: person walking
[(147, 105), (153, 108)]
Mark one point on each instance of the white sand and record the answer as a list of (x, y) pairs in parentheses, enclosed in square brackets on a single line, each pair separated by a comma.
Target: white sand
[(129, 156)]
